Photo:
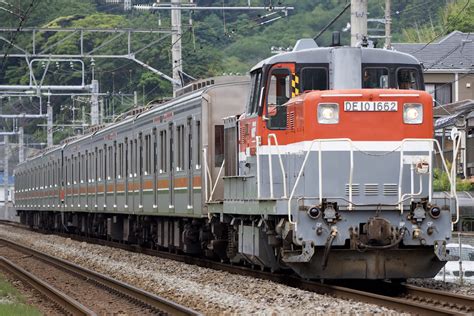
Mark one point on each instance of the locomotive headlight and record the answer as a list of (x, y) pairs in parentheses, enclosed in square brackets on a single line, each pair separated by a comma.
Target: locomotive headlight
[(412, 113), (328, 113)]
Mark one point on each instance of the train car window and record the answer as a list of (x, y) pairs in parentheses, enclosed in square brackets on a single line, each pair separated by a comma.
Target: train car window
[(59, 172), (77, 162), (80, 167), (106, 157), (279, 92), (219, 145), (86, 175), (254, 97), (73, 171), (125, 171), (114, 161), (96, 167), (171, 147), (190, 143), (135, 157), (375, 78), (111, 160), (180, 147), (155, 151), (120, 161), (163, 151), (314, 79), (198, 146), (147, 154), (101, 164), (130, 149), (408, 79), (140, 155)]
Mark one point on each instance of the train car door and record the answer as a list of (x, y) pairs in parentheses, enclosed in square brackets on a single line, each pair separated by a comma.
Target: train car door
[(171, 167), (96, 179), (190, 161), (126, 173), (155, 169), (140, 172)]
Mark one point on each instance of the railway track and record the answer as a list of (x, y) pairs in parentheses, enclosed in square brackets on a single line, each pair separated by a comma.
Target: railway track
[(101, 293), (401, 297), (64, 302)]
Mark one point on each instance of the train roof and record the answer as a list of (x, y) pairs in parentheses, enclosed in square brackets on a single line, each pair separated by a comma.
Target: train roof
[(197, 89), (307, 53)]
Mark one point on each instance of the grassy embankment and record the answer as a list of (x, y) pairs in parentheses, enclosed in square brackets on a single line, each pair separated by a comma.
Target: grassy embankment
[(12, 302)]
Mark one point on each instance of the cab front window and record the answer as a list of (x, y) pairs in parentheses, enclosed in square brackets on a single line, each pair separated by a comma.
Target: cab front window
[(375, 78), (408, 79)]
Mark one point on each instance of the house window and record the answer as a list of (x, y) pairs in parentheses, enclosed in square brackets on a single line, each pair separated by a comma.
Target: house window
[(441, 92)]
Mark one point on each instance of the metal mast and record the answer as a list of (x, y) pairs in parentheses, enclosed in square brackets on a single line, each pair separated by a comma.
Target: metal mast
[(388, 25), (358, 21), (176, 47)]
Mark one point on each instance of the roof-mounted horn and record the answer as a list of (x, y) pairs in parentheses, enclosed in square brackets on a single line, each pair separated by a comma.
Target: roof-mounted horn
[(305, 43)]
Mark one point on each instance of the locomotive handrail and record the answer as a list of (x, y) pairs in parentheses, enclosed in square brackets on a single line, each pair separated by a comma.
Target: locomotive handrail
[(320, 141), (283, 173), (207, 174), (450, 173), (258, 140), (217, 180)]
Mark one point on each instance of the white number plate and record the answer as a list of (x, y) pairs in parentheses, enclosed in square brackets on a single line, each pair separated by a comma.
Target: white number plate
[(370, 106)]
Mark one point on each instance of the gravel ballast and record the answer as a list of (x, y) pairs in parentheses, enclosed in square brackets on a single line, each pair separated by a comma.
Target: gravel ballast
[(205, 290)]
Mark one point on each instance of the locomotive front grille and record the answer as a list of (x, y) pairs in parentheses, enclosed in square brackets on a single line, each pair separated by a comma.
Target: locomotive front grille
[(371, 189)]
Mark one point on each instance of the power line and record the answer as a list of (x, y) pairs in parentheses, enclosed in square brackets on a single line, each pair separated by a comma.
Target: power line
[(347, 6), (23, 19), (444, 28)]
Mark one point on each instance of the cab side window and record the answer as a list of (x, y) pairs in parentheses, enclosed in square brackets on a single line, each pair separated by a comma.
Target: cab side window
[(408, 79), (279, 92), (255, 91)]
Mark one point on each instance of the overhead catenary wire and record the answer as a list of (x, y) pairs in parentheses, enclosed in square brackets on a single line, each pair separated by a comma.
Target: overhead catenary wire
[(347, 6), (444, 28), (23, 20)]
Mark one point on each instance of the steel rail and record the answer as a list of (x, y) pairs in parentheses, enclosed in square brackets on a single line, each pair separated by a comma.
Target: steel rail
[(66, 303), (462, 302), (432, 302), (152, 300), (401, 304)]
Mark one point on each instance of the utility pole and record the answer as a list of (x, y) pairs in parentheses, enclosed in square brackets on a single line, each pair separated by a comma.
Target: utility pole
[(358, 21), (388, 25), (95, 103), (49, 124), (176, 55), (21, 144), (5, 174)]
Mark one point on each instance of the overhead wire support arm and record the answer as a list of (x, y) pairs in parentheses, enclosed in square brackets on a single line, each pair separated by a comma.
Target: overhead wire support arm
[(197, 8)]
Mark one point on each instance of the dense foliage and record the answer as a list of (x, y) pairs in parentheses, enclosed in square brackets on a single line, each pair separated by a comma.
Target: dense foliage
[(216, 43)]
